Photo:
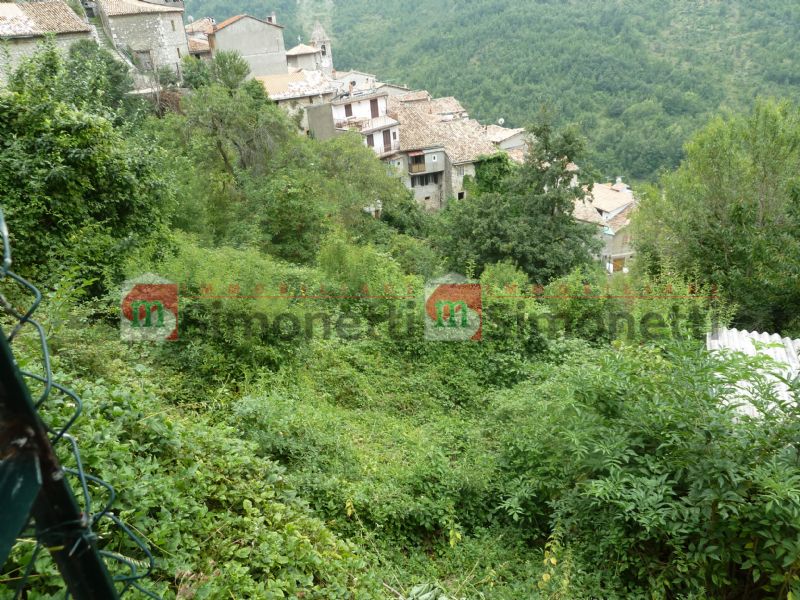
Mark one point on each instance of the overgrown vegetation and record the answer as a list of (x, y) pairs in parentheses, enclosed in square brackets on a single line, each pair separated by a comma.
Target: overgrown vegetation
[(587, 447)]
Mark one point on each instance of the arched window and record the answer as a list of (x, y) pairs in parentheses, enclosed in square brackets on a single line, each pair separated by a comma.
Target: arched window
[(324, 50)]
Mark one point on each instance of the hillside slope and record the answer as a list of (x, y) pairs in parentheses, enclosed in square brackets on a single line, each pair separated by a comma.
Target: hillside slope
[(638, 76)]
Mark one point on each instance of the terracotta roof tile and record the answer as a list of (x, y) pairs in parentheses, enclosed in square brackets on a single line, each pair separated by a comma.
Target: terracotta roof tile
[(236, 18), (117, 8), (302, 50), (204, 25), (39, 18)]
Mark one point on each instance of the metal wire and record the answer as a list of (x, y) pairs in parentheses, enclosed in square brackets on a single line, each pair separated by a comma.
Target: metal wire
[(50, 537)]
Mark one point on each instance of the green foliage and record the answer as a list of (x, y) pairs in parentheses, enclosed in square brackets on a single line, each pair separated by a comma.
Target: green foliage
[(229, 69), (528, 219), (76, 189), (220, 520), (730, 213), (649, 479), (639, 77), (196, 73)]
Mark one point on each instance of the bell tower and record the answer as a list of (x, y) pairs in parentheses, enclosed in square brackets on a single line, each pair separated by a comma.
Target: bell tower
[(321, 41)]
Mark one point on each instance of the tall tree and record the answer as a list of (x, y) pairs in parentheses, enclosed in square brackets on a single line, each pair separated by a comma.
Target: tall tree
[(731, 213), (529, 221)]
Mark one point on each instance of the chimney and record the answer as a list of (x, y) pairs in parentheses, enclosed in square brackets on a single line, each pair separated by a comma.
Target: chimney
[(272, 18), (351, 87)]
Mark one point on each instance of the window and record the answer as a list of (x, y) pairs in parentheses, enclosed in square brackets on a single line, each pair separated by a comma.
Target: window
[(418, 160), (387, 140), (433, 158), (348, 110), (394, 135), (460, 171), (173, 25), (371, 141), (179, 52), (373, 108), (461, 195), (423, 180), (324, 50)]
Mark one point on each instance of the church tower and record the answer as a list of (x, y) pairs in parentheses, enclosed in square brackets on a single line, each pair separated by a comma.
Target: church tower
[(321, 41)]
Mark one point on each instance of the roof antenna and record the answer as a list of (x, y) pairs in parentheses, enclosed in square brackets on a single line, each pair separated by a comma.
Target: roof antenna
[(501, 121)]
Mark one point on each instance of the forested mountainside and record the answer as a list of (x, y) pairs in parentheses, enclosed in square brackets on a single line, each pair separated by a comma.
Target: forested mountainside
[(638, 76)]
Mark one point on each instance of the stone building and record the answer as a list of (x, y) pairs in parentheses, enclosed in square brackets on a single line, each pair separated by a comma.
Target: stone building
[(298, 92), (259, 41), (440, 146), (610, 207), (366, 112), (24, 25), (151, 32), (317, 55), (304, 57)]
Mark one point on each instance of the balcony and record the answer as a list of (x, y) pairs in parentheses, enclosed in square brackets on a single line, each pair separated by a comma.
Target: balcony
[(417, 167), (366, 125), (391, 148)]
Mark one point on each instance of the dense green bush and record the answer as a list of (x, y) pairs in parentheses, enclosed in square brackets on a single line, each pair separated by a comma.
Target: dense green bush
[(648, 479)]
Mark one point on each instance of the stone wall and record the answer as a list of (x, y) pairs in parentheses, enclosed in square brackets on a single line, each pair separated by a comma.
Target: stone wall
[(19, 48), (162, 34)]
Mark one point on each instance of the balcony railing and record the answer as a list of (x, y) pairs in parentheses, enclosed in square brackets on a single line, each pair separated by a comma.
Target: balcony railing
[(393, 147), (417, 167)]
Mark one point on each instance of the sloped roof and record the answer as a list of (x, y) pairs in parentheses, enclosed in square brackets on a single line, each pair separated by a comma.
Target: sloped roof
[(623, 219), (204, 25), (237, 18), (301, 50), (464, 140), (198, 46), (609, 198), (499, 134), (39, 18), (300, 84), (586, 212), (445, 106), (415, 96), (118, 8)]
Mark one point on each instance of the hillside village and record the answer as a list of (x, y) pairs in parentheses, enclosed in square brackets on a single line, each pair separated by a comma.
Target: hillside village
[(432, 144)]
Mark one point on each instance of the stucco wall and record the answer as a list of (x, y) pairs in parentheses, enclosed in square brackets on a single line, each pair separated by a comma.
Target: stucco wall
[(361, 108), (259, 43), (153, 32), (19, 48), (309, 62)]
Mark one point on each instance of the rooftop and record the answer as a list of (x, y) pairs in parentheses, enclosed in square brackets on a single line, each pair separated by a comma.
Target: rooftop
[(233, 20), (39, 18), (464, 140), (301, 50), (117, 8), (608, 197), (204, 25), (415, 96), (300, 84), (198, 46), (499, 134)]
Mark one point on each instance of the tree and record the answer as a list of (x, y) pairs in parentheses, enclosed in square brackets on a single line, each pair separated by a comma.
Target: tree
[(196, 73), (731, 214), (74, 189), (229, 69), (529, 221)]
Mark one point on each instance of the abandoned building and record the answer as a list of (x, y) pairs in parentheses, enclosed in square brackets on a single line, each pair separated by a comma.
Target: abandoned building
[(259, 41)]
